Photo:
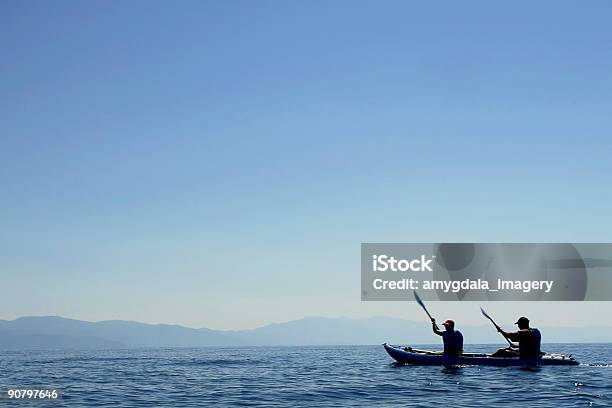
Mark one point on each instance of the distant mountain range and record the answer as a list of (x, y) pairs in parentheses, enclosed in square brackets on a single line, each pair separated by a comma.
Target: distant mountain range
[(52, 332)]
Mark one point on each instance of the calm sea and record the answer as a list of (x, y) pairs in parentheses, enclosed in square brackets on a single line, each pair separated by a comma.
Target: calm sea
[(298, 376)]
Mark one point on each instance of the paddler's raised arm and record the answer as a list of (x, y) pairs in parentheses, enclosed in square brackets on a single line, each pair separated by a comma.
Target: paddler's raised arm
[(509, 336), (435, 327)]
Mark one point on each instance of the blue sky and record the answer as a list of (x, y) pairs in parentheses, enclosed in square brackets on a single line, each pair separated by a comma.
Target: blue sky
[(219, 163)]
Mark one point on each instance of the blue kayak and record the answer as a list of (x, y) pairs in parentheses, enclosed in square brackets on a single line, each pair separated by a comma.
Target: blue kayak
[(409, 355)]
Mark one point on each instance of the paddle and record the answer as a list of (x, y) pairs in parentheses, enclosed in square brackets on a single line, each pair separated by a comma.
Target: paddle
[(420, 302), (496, 326)]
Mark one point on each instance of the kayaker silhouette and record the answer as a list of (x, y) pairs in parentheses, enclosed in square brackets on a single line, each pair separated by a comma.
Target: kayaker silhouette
[(452, 339), (529, 340)]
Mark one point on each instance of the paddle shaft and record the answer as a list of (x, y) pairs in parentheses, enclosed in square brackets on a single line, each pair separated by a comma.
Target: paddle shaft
[(496, 326), (425, 309)]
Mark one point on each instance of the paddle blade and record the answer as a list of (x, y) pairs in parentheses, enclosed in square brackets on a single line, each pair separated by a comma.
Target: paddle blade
[(484, 313), (418, 300)]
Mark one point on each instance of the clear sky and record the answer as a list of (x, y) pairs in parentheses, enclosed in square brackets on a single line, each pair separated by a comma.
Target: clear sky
[(218, 164)]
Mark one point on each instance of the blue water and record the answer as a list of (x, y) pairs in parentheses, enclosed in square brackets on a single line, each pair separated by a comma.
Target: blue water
[(298, 376)]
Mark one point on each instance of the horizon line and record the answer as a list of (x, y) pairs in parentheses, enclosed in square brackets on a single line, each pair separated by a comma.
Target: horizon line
[(270, 324)]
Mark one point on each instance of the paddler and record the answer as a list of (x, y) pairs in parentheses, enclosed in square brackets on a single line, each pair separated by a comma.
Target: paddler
[(528, 339), (453, 339)]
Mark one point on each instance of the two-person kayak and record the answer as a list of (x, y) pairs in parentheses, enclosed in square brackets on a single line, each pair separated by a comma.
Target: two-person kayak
[(408, 355)]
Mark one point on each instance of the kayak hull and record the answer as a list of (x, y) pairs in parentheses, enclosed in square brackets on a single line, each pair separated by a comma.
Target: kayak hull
[(421, 357)]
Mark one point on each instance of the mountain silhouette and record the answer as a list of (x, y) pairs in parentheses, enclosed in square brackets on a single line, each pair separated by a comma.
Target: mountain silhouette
[(53, 332)]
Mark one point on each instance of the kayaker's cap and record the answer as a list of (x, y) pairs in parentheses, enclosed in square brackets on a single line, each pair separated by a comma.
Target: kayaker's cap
[(449, 322), (522, 320)]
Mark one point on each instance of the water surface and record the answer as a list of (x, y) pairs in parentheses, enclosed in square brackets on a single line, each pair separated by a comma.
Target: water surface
[(298, 376)]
